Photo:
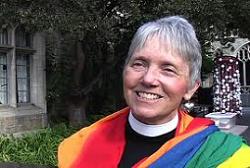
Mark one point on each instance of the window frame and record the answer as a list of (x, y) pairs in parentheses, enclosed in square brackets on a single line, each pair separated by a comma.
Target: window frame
[(11, 49)]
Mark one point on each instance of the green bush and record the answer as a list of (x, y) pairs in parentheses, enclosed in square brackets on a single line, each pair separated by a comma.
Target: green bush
[(38, 148)]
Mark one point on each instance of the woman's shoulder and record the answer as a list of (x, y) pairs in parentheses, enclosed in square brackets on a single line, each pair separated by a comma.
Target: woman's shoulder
[(71, 146)]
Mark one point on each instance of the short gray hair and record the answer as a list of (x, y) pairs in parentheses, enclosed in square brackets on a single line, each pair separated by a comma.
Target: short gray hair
[(179, 34)]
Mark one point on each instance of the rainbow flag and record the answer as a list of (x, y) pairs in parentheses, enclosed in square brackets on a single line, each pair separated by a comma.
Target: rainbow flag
[(197, 142)]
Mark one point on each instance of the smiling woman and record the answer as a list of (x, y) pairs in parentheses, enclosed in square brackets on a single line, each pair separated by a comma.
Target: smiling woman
[(155, 82), (162, 69)]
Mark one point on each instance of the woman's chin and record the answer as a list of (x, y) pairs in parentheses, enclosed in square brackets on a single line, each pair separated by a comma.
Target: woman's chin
[(145, 116)]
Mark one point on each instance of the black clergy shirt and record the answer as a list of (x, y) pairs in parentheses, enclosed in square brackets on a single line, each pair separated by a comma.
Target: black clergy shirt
[(139, 146)]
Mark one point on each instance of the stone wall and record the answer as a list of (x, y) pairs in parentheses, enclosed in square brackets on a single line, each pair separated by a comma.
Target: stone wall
[(22, 119)]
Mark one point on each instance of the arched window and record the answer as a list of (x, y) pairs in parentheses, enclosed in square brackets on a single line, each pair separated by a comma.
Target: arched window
[(21, 71), (22, 37), (3, 36), (243, 56)]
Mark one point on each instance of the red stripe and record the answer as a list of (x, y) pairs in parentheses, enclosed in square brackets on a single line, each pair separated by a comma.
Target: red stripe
[(109, 138), (198, 122)]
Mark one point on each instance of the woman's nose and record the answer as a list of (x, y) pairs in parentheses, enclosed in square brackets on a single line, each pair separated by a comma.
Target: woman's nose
[(150, 78)]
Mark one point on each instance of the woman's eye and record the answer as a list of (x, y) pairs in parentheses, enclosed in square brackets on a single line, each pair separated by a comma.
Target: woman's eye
[(169, 70), (138, 64)]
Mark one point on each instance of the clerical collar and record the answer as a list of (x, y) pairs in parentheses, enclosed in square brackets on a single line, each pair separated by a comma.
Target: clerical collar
[(152, 130)]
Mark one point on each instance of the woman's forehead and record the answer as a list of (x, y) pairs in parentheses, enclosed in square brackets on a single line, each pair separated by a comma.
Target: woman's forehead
[(155, 42)]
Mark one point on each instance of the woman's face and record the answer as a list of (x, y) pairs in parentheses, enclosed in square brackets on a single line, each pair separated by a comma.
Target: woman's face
[(155, 81)]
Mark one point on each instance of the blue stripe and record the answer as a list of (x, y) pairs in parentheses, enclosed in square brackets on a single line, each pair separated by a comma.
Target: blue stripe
[(179, 155)]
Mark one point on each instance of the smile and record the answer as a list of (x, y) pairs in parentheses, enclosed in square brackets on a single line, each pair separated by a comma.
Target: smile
[(148, 96)]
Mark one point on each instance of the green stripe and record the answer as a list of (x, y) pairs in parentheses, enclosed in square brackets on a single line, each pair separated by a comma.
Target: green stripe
[(218, 147)]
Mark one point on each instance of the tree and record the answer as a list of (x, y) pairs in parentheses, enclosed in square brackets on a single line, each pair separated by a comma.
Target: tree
[(88, 41), (89, 38)]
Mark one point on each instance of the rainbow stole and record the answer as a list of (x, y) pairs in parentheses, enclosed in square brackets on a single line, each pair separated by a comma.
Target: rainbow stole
[(102, 143)]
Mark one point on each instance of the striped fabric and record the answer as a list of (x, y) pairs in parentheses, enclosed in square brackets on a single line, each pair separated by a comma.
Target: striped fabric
[(101, 145)]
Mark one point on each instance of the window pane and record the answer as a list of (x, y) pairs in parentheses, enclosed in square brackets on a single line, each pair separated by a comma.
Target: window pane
[(22, 84), (22, 97), (22, 71), (23, 78), (3, 79), (22, 59)]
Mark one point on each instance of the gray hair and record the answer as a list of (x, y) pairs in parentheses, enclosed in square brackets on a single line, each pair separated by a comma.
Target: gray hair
[(180, 36)]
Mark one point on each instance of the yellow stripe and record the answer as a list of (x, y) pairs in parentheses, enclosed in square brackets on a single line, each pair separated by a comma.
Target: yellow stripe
[(240, 159)]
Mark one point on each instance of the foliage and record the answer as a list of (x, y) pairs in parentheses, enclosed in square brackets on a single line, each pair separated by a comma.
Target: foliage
[(104, 29), (38, 148)]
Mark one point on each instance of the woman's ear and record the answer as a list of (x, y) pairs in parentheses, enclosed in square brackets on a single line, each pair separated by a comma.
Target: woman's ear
[(191, 90)]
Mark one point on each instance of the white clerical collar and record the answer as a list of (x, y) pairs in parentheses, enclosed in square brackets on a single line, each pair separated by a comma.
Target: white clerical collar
[(152, 130)]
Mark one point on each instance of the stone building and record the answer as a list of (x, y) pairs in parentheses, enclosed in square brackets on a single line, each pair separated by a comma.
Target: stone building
[(22, 80)]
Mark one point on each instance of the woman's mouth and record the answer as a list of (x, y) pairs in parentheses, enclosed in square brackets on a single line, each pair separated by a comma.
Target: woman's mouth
[(148, 95)]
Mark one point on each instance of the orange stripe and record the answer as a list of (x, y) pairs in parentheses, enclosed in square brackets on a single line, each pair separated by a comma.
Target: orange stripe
[(185, 120), (71, 147)]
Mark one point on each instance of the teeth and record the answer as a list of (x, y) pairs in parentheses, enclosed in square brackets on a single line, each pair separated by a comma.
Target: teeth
[(150, 96)]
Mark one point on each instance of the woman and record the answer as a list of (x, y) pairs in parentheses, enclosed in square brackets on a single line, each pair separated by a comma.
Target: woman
[(162, 69)]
